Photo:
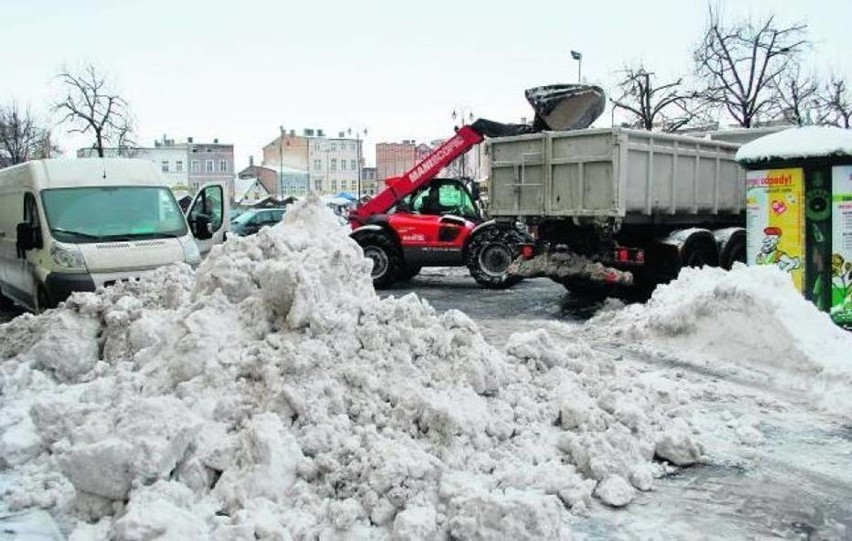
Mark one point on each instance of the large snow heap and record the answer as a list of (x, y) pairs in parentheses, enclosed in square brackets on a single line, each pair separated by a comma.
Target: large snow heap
[(749, 318), (273, 393)]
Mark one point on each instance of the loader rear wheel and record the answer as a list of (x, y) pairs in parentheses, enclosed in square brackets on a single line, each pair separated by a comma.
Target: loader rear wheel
[(489, 255), (382, 251)]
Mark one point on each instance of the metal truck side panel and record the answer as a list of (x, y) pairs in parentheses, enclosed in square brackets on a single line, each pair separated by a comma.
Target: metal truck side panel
[(612, 173)]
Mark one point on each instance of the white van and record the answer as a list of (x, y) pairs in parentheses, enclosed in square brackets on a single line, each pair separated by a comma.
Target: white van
[(73, 225)]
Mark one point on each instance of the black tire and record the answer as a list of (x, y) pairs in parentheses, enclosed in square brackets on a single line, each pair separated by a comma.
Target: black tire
[(382, 250), (700, 251), (734, 251), (43, 301), (489, 254), (407, 272)]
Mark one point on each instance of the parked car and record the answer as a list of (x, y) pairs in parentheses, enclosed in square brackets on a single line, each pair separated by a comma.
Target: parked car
[(250, 221)]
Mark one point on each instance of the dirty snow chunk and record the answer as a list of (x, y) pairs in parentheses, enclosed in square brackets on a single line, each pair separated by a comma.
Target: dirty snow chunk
[(615, 491), (69, 347), (677, 445), (266, 463), (148, 440), (19, 444), (415, 523), (161, 511)]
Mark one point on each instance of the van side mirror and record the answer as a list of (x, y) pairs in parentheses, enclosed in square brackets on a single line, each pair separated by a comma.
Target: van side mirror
[(26, 238), (201, 227)]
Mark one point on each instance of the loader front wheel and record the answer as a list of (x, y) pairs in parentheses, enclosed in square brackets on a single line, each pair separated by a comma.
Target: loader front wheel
[(382, 251), (489, 255)]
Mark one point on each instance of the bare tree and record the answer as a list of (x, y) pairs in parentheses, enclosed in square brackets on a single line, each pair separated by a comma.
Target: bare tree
[(740, 64), (22, 138), (668, 107), (798, 98), (92, 109), (835, 104)]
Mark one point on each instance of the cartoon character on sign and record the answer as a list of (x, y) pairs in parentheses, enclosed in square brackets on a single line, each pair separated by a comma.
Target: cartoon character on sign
[(771, 255)]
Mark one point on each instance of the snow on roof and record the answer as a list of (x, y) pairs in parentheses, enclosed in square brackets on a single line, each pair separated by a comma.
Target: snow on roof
[(803, 142), (242, 186)]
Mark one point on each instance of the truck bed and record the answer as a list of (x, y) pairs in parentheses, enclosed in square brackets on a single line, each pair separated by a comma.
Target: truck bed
[(615, 172)]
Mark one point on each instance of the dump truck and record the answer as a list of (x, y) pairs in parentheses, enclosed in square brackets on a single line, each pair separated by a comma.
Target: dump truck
[(594, 209), (615, 207)]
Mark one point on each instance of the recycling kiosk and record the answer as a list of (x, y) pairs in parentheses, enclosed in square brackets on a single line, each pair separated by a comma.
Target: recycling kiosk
[(799, 211)]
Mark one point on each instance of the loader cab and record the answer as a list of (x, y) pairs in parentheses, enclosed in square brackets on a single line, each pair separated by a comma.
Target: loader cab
[(441, 197)]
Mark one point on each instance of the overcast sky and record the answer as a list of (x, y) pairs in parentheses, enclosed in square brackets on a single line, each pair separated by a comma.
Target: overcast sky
[(236, 70)]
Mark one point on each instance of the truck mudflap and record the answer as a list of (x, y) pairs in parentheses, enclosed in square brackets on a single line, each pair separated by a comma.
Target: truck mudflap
[(560, 266)]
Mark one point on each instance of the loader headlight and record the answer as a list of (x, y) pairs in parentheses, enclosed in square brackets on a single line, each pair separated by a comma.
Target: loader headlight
[(67, 256)]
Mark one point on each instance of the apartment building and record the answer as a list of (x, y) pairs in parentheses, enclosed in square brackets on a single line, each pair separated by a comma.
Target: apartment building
[(313, 161), (185, 166), (394, 159)]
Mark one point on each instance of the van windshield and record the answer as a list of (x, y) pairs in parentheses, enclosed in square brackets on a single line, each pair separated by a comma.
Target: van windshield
[(112, 213)]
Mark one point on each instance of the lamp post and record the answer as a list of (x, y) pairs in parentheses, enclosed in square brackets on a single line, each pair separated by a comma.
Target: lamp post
[(359, 131), (281, 161), (578, 56), (464, 114)]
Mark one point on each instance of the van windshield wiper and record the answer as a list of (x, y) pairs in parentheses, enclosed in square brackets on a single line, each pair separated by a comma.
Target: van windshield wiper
[(78, 234)]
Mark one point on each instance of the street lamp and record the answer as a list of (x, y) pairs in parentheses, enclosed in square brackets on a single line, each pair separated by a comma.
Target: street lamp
[(464, 114), (578, 56), (359, 131), (281, 161)]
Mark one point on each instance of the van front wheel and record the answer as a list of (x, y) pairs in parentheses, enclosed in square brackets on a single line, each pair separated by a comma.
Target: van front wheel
[(43, 301)]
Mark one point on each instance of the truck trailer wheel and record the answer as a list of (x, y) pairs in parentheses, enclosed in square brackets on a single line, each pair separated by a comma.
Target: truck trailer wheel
[(489, 255), (699, 251), (379, 248), (734, 250)]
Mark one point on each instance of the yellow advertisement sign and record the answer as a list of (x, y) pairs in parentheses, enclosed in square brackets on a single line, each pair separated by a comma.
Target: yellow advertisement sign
[(775, 228)]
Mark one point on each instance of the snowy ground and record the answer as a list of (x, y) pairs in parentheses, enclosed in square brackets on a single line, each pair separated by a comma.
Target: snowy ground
[(781, 463), (273, 394)]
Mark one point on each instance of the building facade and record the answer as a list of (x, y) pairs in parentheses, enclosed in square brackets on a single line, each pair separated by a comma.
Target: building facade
[(185, 166), (394, 159), (314, 162)]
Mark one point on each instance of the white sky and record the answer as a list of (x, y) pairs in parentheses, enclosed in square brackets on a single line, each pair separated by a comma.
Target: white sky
[(236, 70)]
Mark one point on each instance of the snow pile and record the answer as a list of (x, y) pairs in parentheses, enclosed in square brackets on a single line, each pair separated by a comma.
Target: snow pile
[(750, 316), (274, 395), (802, 142)]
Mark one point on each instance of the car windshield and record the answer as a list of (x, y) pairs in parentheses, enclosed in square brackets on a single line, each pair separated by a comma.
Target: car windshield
[(92, 214)]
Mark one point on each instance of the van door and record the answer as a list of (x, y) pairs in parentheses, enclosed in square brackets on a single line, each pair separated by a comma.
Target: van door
[(21, 282), (206, 217)]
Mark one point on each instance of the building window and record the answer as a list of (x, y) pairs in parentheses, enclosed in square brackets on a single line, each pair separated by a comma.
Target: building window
[(317, 165), (334, 185), (332, 147), (165, 166), (179, 166), (352, 163), (196, 166), (223, 166), (333, 165), (208, 166), (343, 165)]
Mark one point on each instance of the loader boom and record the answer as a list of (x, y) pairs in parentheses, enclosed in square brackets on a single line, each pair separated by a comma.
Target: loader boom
[(424, 171)]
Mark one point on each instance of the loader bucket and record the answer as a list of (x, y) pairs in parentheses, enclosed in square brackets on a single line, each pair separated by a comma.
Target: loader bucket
[(565, 107)]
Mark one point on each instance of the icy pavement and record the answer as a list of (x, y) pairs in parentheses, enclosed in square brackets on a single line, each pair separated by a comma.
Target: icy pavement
[(273, 394)]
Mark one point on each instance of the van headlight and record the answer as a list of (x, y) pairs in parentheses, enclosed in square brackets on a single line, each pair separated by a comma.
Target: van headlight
[(67, 256), (190, 252)]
